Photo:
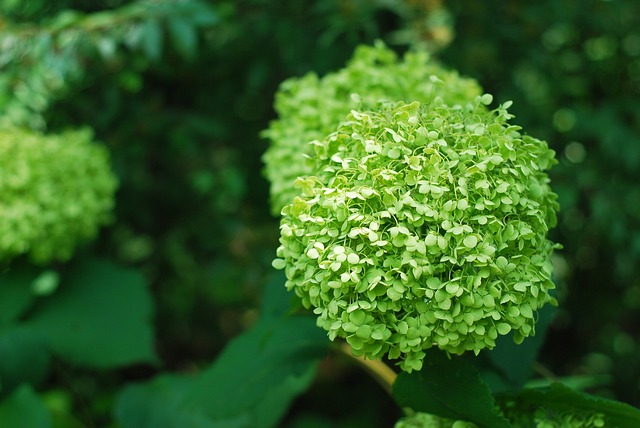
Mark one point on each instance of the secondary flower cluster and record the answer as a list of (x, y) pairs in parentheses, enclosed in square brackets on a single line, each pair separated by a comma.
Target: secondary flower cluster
[(422, 226), (309, 108), (541, 418), (55, 192), (426, 420)]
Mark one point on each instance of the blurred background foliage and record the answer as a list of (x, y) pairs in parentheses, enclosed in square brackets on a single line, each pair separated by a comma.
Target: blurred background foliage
[(179, 90)]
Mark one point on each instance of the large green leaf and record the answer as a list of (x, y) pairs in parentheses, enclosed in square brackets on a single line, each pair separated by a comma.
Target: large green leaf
[(560, 398), (158, 403), (261, 371), (16, 292), (99, 317), (277, 301), (449, 387), (514, 362), (250, 385), (24, 409), (24, 357)]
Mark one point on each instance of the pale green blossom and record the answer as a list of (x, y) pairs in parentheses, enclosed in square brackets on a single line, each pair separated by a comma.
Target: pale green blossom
[(55, 193), (422, 225), (311, 107)]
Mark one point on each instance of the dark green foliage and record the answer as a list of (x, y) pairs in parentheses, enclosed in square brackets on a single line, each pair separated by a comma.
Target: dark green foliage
[(450, 387), (251, 383), (25, 358), (514, 363), (15, 298), (559, 399), (99, 317), (23, 408)]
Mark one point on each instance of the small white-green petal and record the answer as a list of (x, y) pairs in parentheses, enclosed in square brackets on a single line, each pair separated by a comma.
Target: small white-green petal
[(470, 241), (278, 264)]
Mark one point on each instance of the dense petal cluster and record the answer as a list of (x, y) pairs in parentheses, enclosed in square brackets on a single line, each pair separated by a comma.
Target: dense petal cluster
[(422, 226), (55, 191), (310, 107)]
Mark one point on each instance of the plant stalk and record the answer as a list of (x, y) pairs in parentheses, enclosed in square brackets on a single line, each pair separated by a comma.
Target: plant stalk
[(382, 373)]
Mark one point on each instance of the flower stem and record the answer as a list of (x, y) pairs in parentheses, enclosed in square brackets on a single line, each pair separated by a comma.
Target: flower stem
[(381, 372)]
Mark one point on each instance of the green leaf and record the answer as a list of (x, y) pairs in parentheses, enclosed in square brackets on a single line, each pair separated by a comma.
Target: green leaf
[(158, 403), (251, 384), (151, 39), (184, 37), (449, 387), (24, 409), (276, 299), (561, 398), (100, 316), (262, 371), (513, 362), (15, 292), (24, 358), (199, 13)]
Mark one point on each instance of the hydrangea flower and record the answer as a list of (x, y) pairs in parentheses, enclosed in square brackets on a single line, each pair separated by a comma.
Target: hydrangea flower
[(310, 107), (55, 192), (422, 225)]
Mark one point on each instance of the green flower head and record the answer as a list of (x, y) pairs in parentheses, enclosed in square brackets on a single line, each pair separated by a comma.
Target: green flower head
[(55, 192), (422, 225), (310, 107)]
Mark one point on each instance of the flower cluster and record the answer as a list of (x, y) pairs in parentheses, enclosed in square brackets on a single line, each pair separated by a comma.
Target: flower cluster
[(55, 192), (426, 420), (545, 419), (541, 418), (422, 226), (309, 108)]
